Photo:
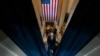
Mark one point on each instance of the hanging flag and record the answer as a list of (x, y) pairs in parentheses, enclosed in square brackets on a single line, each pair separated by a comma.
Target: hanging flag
[(49, 10)]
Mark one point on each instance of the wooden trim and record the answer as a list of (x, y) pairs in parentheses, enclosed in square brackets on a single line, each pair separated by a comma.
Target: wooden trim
[(37, 9), (63, 12)]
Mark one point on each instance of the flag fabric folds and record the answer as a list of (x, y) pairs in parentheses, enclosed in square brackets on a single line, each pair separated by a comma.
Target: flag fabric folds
[(49, 10)]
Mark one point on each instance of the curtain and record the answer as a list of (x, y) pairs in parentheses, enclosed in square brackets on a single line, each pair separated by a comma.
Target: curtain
[(84, 25), (18, 21), (28, 39)]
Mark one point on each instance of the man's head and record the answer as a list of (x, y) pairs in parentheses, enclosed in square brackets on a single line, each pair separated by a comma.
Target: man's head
[(51, 34)]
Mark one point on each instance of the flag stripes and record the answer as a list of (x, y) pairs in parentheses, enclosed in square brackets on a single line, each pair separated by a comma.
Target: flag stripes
[(49, 10)]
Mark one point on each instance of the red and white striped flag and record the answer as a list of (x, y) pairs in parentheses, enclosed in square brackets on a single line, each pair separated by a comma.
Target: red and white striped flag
[(49, 10)]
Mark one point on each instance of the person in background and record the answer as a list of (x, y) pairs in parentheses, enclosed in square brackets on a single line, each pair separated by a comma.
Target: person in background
[(48, 30), (51, 39), (51, 43)]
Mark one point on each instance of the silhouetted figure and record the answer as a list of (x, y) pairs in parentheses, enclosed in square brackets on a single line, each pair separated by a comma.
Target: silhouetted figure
[(51, 43), (51, 39)]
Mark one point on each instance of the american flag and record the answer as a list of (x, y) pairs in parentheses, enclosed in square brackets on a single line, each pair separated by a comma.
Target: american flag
[(49, 10)]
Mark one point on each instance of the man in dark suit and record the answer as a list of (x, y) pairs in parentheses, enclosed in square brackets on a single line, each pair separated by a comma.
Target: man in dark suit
[(51, 39)]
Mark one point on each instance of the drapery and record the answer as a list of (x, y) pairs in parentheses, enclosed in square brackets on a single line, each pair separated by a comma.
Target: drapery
[(19, 22), (27, 38), (49, 10), (84, 25)]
